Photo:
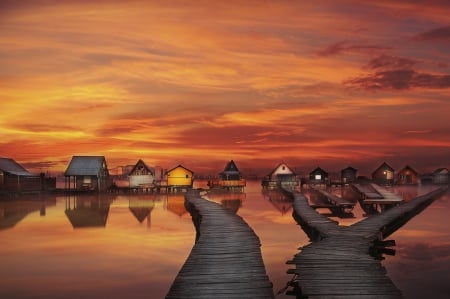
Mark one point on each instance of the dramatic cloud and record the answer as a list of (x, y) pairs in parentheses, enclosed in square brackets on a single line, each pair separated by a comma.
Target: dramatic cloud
[(438, 34)]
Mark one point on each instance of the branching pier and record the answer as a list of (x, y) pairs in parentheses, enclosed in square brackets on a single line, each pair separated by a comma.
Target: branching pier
[(338, 264)]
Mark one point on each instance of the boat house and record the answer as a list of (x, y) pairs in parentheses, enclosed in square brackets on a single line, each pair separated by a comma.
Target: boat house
[(179, 178), (318, 177), (141, 175), (281, 176), (440, 176), (229, 179), (87, 173), (383, 175), (348, 175), (15, 178), (407, 176)]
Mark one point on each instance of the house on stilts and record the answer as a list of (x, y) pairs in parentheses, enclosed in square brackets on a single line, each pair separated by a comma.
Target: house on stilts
[(282, 176), (230, 179), (87, 173)]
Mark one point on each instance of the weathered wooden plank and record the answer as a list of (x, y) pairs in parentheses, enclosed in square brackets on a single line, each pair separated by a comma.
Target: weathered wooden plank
[(226, 261)]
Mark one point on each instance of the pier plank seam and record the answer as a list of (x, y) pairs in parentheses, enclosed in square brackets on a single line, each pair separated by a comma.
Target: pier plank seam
[(337, 263), (226, 260)]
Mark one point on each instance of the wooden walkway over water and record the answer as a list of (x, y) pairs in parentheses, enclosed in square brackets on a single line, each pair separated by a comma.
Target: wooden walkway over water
[(335, 203), (375, 198), (338, 264), (226, 260)]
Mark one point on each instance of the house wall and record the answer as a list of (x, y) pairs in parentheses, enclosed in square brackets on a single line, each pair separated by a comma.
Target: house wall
[(179, 177), (21, 183), (139, 180), (407, 178), (282, 170), (441, 178), (383, 176)]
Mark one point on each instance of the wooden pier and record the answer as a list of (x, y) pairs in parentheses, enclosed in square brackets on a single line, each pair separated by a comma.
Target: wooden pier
[(375, 198), (226, 260), (337, 264), (334, 203)]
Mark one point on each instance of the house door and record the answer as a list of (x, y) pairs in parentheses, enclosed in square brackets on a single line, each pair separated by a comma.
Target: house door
[(408, 179)]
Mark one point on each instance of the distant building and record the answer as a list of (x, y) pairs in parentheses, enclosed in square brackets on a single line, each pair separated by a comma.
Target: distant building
[(230, 178), (318, 176), (180, 177), (282, 176), (141, 175), (383, 175), (407, 176), (87, 173), (15, 178), (348, 175), (441, 176)]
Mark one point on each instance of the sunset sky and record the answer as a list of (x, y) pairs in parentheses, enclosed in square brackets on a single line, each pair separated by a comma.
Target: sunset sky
[(311, 83)]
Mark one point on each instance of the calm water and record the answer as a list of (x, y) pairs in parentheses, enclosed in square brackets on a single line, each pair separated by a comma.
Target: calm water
[(134, 246)]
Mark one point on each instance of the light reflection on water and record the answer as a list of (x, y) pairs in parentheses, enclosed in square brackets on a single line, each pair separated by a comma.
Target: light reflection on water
[(133, 246)]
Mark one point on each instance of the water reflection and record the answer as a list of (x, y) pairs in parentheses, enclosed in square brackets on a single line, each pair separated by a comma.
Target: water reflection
[(12, 212), (230, 200), (87, 210), (279, 200), (141, 209)]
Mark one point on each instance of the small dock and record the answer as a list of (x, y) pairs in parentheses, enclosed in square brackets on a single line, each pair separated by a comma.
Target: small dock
[(226, 260), (334, 203), (375, 198), (338, 264)]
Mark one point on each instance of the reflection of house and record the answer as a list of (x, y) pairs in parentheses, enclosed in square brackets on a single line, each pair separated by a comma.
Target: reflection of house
[(13, 211), (179, 178), (383, 175), (318, 176), (230, 200), (141, 175), (407, 176), (348, 175), (141, 209), (230, 178), (279, 200), (175, 204), (87, 211), (280, 177), (15, 178), (87, 173), (440, 176)]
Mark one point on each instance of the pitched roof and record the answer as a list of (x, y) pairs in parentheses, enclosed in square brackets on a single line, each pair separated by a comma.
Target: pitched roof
[(280, 165), (383, 166), (406, 168), (140, 161), (170, 170), (318, 169), (230, 168), (11, 166), (85, 165)]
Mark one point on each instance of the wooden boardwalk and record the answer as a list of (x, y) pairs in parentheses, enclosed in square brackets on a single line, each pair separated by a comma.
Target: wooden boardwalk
[(336, 204), (338, 264), (226, 260)]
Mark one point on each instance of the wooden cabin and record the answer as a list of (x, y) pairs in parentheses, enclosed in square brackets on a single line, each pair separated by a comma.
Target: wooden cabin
[(87, 173), (348, 175), (229, 179), (441, 176), (407, 176), (179, 178), (383, 175), (318, 177), (281, 176), (15, 178), (141, 175)]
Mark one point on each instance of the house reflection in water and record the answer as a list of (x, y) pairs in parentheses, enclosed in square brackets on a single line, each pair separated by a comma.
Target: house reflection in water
[(87, 211), (142, 209), (230, 200), (279, 200), (175, 204), (14, 211)]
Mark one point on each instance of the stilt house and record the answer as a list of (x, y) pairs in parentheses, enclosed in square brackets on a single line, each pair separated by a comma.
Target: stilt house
[(141, 175), (179, 178), (15, 178), (281, 176), (87, 173), (407, 176), (348, 175), (441, 176), (230, 178), (318, 176), (383, 175)]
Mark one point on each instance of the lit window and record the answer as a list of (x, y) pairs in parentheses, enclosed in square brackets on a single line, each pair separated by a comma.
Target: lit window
[(318, 177)]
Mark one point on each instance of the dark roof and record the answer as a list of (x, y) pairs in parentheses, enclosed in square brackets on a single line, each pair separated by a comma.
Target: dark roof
[(439, 170), (85, 165), (181, 167), (150, 169), (383, 166), (407, 167), (11, 166), (230, 168), (349, 168), (318, 169)]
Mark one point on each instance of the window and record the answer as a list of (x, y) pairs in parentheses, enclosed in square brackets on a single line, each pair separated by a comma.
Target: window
[(318, 177)]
